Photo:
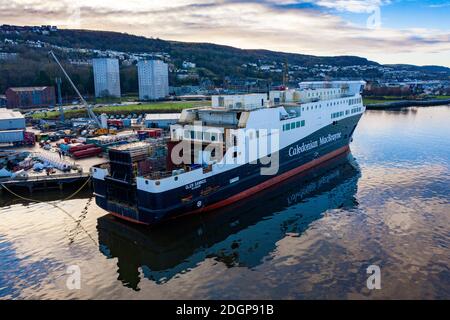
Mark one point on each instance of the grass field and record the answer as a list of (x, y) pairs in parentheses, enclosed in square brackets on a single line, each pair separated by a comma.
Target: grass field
[(373, 101), (368, 100), (157, 107), (442, 97), (169, 107)]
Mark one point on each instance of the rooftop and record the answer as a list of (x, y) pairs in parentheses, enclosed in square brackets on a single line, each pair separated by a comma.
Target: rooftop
[(7, 114), (135, 146), (22, 89)]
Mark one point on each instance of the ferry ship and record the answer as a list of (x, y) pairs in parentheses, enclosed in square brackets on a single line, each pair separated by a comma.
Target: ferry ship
[(221, 154)]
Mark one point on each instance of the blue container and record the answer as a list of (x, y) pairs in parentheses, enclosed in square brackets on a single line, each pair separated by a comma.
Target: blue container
[(64, 147), (142, 135), (126, 123)]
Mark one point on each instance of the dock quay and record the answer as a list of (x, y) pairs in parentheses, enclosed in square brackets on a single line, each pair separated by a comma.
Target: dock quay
[(44, 182)]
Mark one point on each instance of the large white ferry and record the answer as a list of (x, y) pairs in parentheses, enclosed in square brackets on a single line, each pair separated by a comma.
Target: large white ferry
[(224, 153)]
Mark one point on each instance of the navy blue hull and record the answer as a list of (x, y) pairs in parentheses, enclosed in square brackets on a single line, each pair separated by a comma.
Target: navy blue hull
[(150, 208)]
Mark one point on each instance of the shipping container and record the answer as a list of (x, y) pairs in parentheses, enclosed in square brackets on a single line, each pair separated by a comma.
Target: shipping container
[(126, 123), (29, 138), (81, 147), (11, 136), (87, 153)]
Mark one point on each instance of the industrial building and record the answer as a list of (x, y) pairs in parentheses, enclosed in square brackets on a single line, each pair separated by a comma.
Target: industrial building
[(30, 97), (153, 76), (106, 77), (161, 120), (11, 120), (12, 126)]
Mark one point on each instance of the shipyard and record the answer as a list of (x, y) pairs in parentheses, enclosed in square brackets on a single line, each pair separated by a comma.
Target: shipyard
[(223, 157)]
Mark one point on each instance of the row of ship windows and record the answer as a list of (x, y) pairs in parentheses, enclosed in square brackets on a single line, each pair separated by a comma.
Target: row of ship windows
[(199, 135), (355, 101), (347, 112), (293, 125), (331, 104), (337, 114), (356, 110), (326, 93)]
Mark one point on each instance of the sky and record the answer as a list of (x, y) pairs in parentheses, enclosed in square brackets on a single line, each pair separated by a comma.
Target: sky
[(386, 31)]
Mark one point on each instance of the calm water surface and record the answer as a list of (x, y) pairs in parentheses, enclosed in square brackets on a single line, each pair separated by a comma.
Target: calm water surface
[(387, 203)]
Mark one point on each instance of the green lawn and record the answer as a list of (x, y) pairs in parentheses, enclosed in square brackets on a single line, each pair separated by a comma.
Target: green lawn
[(374, 101), (368, 100), (156, 107), (441, 97)]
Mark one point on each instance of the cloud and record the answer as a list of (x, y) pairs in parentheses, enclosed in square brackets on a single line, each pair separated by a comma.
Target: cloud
[(281, 25), (355, 6)]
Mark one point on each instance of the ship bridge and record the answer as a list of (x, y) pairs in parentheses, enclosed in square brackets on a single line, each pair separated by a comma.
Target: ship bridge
[(209, 124), (316, 91)]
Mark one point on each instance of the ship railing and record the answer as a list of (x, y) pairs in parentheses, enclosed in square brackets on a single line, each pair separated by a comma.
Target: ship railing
[(318, 99)]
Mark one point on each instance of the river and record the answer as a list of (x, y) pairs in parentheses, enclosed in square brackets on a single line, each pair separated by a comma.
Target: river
[(386, 204)]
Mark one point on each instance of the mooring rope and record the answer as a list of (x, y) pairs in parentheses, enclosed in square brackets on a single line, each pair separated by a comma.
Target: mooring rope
[(56, 206), (34, 200)]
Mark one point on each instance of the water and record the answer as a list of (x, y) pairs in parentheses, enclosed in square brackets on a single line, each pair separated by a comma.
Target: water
[(387, 204)]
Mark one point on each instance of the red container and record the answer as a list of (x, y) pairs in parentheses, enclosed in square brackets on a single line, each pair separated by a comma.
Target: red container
[(144, 167), (29, 138), (152, 133), (115, 123), (81, 147), (87, 153), (169, 164), (155, 133)]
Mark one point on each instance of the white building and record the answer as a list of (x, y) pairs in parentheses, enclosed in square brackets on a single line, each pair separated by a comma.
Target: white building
[(153, 78), (161, 120), (11, 120), (106, 77)]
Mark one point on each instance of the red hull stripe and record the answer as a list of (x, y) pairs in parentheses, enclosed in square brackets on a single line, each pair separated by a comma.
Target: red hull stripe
[(127, 218), (259, 187)]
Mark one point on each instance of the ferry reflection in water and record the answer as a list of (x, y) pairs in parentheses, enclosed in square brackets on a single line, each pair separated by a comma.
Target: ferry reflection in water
[(240, 235)]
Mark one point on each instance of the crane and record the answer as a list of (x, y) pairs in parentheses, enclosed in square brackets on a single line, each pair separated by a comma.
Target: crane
[(90, 112)]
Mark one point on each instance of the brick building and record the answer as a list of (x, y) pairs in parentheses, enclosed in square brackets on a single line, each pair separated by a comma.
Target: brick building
[(30, 97)]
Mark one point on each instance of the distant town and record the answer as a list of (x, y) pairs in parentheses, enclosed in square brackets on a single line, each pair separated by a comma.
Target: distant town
[(158, 76)]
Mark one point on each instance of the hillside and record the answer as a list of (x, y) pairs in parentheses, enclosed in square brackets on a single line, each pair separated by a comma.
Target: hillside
[(214, 63), (196, 52)]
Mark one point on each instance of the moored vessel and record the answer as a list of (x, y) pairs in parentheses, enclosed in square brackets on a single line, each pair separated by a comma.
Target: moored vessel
[(218, 155)]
